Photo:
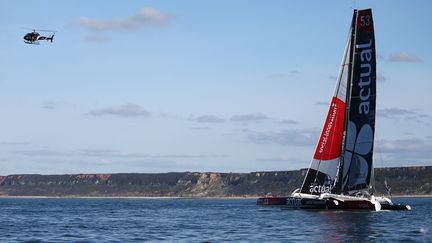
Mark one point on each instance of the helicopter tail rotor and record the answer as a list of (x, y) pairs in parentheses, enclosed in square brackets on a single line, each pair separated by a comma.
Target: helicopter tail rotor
[(51, 38)]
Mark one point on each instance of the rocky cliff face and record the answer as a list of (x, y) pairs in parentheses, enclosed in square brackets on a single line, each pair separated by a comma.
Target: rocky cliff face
[(403, 180)]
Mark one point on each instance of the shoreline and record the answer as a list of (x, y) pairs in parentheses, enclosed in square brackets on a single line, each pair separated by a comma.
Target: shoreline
[(120, 197), (426, 195), (159, 198)]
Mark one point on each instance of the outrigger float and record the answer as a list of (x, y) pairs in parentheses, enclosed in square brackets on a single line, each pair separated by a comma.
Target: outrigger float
[(341, 172)]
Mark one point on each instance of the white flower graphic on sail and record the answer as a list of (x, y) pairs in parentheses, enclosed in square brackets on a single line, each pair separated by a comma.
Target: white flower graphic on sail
[(359, 144)]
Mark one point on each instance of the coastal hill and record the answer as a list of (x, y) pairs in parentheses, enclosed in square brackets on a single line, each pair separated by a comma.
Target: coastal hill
[(403, 181)]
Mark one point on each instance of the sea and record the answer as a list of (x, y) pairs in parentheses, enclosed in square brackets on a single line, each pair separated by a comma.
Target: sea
[(203, 220)]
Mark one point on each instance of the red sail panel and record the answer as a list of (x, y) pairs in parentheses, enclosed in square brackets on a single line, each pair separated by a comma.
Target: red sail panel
[(323, 169), (330, 142)]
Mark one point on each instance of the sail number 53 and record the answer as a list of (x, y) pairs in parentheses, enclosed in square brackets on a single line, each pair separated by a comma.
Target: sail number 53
[(365, 20)]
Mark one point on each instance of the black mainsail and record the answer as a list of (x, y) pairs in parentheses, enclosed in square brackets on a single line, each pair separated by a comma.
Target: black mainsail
[(358, 151)]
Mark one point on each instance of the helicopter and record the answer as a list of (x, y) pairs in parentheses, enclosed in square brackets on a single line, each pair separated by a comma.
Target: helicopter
[(34, 37)]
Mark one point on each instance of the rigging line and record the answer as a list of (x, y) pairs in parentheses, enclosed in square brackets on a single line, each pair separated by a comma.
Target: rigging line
[(378, 148), (354, 4), (381, 162)]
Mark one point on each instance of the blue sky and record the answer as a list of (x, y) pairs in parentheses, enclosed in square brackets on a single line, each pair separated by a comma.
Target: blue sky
[(229, 86)]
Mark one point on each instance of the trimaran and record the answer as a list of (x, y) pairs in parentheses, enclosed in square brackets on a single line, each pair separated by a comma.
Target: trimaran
[(341, 172)]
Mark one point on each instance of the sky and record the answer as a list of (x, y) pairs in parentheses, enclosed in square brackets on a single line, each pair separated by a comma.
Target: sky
[(226, 86)]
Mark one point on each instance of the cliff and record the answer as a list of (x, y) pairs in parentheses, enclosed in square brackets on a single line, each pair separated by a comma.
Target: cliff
[(403, 180)]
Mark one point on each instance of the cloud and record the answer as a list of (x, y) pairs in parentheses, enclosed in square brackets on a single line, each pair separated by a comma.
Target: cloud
[(128, 110), (111, 154), (293, 137), (332, 77), (380, 77), (322, 103), (75, 165), (245, 130), (288, 122), (145, 17), (413, 149), (249, 117), (394, 112), (294, 72), (19, 143), (42, 153), (49, 106), (99, 152), (403, 57), (380, 57), (399, 113), (274, 159), (281, 76), (285, 160), (209, 119), (201, 128), (187, 156), (52, 105)]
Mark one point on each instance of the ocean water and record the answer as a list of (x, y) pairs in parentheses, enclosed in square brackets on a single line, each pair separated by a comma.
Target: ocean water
[(203, 220)]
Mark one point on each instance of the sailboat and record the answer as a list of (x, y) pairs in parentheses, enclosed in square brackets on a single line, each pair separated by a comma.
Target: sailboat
[(340, 175)]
